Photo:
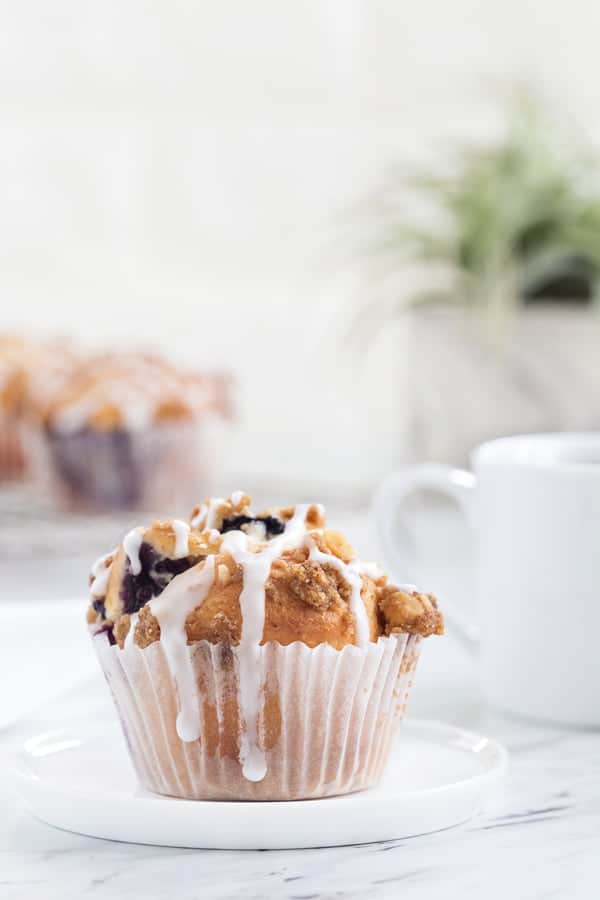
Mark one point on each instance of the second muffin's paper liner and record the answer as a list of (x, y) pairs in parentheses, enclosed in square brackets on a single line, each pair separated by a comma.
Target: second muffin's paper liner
[(326, 723), (161, 467)]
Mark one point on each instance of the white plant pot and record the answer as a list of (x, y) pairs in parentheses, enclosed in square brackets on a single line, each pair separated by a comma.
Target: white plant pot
[(465, 383)]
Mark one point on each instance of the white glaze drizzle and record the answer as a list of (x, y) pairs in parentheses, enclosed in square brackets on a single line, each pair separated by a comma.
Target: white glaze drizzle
[(131, 545), (352, 573), (189, 589), (182, 534), (213, 507), (129, 637), (256, 531), (256, 567), (368, 568), (183, 594), (101, 574), (200, 516), (236, 498)]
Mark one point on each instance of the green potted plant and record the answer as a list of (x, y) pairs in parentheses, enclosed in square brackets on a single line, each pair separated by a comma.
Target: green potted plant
[(492, 262)]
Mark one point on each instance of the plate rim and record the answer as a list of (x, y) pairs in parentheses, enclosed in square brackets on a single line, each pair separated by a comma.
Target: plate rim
[(496, 758)]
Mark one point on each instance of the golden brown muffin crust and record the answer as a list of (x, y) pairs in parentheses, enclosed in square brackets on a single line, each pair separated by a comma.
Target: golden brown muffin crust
[(413, 612), (305, 599), (161, 537)]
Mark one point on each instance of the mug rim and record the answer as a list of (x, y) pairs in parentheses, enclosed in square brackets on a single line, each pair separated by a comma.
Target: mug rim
[(558, 451)]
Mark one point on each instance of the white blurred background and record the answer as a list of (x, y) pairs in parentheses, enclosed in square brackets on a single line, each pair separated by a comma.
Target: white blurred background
[(177, 173)]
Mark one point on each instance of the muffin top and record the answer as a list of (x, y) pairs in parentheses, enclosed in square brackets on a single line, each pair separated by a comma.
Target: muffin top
[(235, 578), (130, 391), (280, 573)]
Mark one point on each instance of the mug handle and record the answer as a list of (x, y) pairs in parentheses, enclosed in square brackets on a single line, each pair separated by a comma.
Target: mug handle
[(459, 485)]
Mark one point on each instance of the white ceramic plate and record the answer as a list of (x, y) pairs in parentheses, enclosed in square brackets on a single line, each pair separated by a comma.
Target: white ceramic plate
[(80, 779), (57, 641)]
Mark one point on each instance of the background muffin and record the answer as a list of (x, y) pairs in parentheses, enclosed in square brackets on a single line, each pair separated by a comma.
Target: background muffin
[(29, 371), (129, 431), (254, 656)]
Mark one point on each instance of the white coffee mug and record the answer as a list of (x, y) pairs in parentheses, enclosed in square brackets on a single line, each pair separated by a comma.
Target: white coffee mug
[(534, 504)]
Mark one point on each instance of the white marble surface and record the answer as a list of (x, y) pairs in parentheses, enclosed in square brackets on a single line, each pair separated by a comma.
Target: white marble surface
[(539, 837)]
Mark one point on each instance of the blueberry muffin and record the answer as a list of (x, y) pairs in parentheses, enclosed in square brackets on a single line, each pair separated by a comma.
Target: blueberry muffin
[(127, 431), (254, 656)]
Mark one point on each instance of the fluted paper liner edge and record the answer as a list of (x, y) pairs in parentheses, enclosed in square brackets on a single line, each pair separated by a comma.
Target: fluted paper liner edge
[(326, 723)]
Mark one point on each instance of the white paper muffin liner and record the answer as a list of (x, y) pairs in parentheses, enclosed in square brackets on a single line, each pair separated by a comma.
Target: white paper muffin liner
[(326, 722), (164, 466)]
